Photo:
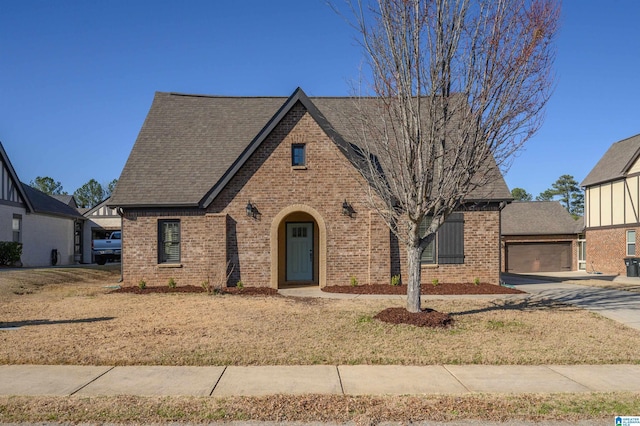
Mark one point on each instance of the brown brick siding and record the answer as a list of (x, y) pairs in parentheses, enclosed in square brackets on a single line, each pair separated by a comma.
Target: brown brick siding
[(358, 246), (573, 239), (481, 253), (607, 249)]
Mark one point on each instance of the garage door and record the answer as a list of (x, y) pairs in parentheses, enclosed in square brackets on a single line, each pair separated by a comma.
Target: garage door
[(538, 257)]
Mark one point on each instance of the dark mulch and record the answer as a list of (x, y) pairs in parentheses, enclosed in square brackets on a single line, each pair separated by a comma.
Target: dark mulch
[(246, 291), (426, 289), (426, 318)]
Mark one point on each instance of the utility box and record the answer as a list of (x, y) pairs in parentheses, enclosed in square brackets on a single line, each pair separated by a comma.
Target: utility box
[(632, 266)]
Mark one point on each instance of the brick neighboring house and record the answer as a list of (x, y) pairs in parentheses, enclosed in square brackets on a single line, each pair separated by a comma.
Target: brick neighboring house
[(612, 207), (265, 188), (40, 222), (540, 236)]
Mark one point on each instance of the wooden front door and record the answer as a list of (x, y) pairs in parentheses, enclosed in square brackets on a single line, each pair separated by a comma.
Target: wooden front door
[(300, 251)]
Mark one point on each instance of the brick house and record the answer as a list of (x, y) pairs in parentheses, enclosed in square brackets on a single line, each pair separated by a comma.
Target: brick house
[(265, 188), (540, 236), (612, 209)]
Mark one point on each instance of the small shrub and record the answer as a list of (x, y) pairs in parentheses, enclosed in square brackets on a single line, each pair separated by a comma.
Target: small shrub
[(354, 281), (240, 284), (435, 282), (10, 252), (172, 283), (395, 280), (142, 284), (476, 281)]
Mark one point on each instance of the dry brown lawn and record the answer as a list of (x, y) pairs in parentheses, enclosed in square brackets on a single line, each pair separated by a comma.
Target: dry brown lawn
[(76, 321)]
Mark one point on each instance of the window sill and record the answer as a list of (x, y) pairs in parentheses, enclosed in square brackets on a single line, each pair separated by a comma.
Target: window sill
[(169, 265), (429, 266), (299, 167)]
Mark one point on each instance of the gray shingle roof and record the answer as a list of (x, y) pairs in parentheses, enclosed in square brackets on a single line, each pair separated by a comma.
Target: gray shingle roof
[(615, 163), (190, 145), (539, 218), (46, 204)]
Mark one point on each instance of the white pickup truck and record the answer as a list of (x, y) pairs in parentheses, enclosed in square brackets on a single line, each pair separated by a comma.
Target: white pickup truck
[(108, 249)]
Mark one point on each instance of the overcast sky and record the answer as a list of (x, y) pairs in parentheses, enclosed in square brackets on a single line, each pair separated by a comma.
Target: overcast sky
[(77, 77)]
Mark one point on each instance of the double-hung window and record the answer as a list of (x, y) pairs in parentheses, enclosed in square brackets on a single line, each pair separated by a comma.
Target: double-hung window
[(169, 241), (631, 243), (448, 245), (16, 225)]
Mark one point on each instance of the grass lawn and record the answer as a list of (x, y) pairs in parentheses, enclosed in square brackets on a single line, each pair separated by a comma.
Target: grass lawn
[(67, 316)]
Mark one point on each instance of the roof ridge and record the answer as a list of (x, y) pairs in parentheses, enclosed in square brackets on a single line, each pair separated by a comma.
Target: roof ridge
[(196, 95)]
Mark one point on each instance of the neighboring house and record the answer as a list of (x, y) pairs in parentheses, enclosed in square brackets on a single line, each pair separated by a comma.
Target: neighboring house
[(264, 190), (541, 236), (46, 227), (101, 221), (612, 207)]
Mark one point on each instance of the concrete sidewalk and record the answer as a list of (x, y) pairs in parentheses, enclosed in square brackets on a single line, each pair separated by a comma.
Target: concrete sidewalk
[(318, 379)]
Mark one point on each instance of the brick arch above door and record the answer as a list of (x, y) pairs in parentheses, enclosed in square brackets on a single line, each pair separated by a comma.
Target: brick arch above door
[(322, 237)]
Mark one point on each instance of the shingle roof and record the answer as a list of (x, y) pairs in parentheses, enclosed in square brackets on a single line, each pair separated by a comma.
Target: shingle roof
[(538, 218), (615, 163), (66, 199), (46, 204), (191, 145)]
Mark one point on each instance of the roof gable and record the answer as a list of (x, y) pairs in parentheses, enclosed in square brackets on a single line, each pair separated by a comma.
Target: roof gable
[(538, 218), (190, 147), (13, 183), (620, 159)]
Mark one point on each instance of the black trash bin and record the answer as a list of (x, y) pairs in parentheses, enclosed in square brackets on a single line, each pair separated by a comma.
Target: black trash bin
[(632, 266)]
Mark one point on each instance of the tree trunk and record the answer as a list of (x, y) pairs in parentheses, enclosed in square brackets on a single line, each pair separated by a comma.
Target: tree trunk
[(413, 284)]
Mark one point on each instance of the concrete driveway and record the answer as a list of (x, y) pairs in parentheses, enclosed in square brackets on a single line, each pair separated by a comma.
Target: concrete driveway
[(619, 305)]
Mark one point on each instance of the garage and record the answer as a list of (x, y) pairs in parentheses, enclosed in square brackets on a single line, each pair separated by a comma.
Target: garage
[(538, 257)]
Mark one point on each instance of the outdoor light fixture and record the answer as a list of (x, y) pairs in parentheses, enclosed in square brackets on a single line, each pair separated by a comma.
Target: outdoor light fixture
[(252, 210), (347, 210)]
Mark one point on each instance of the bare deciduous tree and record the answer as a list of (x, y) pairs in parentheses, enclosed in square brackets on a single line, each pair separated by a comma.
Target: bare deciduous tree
[(455, 89)]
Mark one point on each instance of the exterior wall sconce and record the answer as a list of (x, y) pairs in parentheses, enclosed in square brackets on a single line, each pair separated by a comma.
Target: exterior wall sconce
[(347, 209), (252, 210)]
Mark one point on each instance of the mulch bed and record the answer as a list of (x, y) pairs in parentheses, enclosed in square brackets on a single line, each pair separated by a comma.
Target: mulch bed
[(426, 289), (245, 291), (426, 318)]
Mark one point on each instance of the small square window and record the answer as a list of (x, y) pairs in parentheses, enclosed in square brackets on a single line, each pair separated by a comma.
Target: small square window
[(298, 155)]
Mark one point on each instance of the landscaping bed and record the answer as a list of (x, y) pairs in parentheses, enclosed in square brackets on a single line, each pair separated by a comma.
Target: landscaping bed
[(426, 289), (246, 291)]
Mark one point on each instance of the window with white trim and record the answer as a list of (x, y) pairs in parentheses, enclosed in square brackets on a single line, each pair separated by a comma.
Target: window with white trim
[(631, 242)]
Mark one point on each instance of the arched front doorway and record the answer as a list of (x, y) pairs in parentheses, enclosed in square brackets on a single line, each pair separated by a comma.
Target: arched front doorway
[(298, 247)]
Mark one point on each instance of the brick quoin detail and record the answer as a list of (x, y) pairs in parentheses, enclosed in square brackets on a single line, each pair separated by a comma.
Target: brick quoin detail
[(360, 246)]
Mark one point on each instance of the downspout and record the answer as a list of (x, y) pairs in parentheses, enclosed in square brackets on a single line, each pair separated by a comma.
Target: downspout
[(121, 214)]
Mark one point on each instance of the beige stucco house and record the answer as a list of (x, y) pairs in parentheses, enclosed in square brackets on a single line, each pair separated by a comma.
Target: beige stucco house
[(48, 229)]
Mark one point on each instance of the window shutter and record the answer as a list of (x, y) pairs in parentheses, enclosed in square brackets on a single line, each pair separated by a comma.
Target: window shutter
[(428, 255), (451, 240)]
